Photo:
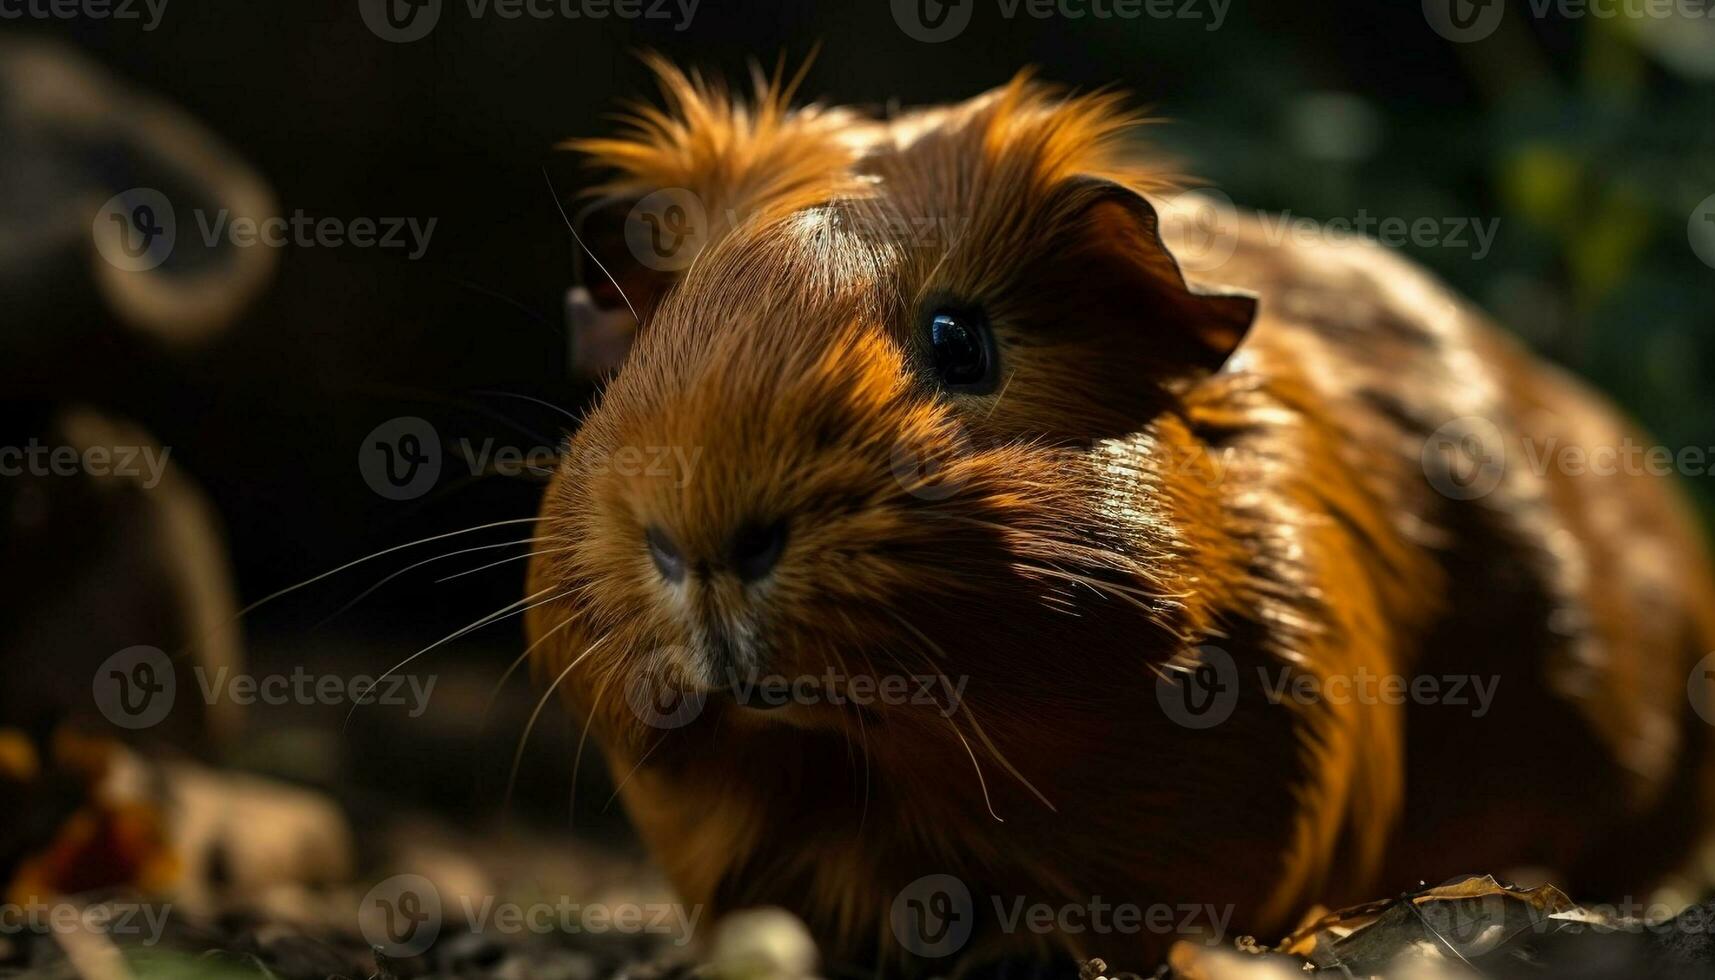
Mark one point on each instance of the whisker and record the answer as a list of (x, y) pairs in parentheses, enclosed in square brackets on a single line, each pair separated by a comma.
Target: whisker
[(451, 554), (981, 782), (503, 561), (493, 617), (288, 590), (532, 398), (587, 251), (639, 765), (964, 705), (524, 740), (494, 695), (578, 760)]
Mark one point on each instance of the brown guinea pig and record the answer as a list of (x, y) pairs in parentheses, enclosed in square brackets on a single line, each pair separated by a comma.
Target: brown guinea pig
[(1007, 567)]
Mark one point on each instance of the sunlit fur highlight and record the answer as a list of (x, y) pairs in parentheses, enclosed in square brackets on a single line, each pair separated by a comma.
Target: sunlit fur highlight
[(1123, 498)]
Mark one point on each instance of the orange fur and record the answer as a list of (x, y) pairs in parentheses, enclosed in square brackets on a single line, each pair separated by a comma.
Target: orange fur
[(1125, 496)]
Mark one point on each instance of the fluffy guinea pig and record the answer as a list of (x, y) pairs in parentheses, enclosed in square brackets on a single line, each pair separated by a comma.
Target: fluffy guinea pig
[(1001, 562)]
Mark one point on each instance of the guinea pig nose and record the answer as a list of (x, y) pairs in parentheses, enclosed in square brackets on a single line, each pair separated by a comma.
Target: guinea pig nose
[(756, 548), (669, 561)]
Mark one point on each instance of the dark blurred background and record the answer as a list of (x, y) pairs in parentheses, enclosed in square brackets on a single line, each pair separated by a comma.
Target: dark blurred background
[(1590, 139)]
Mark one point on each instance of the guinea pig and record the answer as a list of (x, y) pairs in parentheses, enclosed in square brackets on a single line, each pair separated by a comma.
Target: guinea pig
[(1015, 564)]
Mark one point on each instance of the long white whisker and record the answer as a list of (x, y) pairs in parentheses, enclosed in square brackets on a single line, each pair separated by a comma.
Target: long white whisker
[(964, 705), (511, 669), (587, 251), (451, 554), (288, 590), (503, 561), (578, 759), (518, 756), (504, 612), (981, 782)]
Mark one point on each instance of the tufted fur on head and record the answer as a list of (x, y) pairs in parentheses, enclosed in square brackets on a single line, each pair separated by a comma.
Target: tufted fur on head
[(1046, 549)]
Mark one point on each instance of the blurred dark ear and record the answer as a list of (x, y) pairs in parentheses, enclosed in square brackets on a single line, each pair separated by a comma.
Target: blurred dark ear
[(616, 291), (643, 245), (1110, 255)]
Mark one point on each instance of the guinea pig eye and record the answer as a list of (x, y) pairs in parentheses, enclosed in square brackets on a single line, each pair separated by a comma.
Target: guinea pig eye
[(963, 349)]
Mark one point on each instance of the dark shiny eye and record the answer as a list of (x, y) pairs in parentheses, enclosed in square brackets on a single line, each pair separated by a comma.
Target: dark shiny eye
[(963, 348)]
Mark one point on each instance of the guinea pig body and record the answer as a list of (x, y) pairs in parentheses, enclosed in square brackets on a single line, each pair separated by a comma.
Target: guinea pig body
[(1092, 581)]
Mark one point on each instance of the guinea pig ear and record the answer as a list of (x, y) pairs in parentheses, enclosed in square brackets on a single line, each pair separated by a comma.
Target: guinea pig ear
[(614, 289), (1112, 255)]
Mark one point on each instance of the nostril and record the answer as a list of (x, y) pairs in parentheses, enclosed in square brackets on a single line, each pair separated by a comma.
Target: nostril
[(666, 555), (756, 548)]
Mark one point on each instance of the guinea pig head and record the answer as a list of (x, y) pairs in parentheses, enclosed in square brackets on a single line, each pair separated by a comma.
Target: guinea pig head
[(912, 410)]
